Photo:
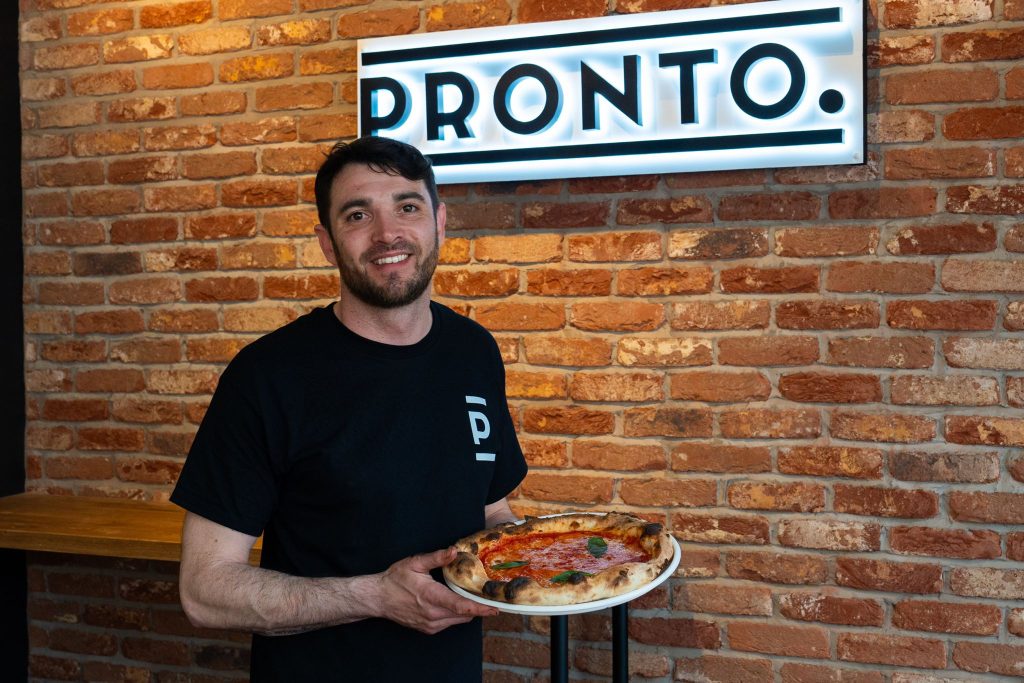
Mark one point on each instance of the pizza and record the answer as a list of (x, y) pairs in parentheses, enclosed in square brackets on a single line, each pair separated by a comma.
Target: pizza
[(561, 560)]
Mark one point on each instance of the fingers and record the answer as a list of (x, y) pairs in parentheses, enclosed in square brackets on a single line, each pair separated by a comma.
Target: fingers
[(428, 561)]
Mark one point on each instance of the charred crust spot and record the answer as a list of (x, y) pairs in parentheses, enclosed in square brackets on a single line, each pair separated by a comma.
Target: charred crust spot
[(619, 579), (652, 529), (577, 578), (514, 586), (493, 536), (474, 548), (492, 589)]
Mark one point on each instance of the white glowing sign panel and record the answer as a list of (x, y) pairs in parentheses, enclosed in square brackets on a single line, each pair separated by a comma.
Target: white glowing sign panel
[(765, 84)]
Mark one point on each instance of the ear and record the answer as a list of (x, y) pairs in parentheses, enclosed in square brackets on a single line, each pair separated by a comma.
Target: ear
[(442, 220), (326, 244)]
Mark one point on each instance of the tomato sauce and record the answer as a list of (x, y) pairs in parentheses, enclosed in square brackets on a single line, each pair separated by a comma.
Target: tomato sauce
[(550, 554)]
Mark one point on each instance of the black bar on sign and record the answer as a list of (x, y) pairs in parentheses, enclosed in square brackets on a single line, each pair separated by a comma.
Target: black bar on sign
[(608, 149), (752, 22)]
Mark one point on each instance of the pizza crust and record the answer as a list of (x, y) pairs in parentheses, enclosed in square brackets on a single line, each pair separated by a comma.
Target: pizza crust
[(467, 571)]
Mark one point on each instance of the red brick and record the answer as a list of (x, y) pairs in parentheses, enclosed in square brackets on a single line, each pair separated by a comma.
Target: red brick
[(662, 351), (901, 51), (71, 293), (48, 438), (950, 390), (720, 315), (984, 123), (43, 146), (75, 410), (983, 276), (47, 322), (858, 463), (820, 387), (142, 169), (82, 642), (901, 126), (617, 387), (668, 492), (180, 259), (719, 387), (664, 281), (770, 424), (258, 318), (832, 241), (993, 508), (720, 528), (768, 495), (115, 321), (715, 457), (518, 248), (942, 85), (677, 632), (723, 599), (112, 380), (891, 577), (145, 291), (831, 609), (946, 617), (989, 657), (105, 202), (46, 205), (811, 673), (78, 467), (613, 184), (300, 287), (75, 351), (109, 439), (955, 238), (215, 40), (829, 534), (673, 210), (214, 226), (916, 164), (1015, 391), (222, 289), (567, 351), (978, 430), (629, 317), (567, 488), (181, 198), (156, 651), (641, 664), (785, 280), (568, 420), (880, 276), (885, 202), (719, 243), (985, 582), (175, 14), (892, 650), (961, 544), (973, 468), (468, 15), (47, 380), (892, 427), (774, 567), (972, 352), (817, 315), (884, 502), (942, 315), (241, 9), (792, 641), (70, 174), (667, 421), (520, 384), (330, 61), (38, 29), (217, 350), (773, 350), (604, 455), (520, 316), (212, 103), (1008, 200), (781, 206), (183, 320), (387, 22), (552, 282), (615, 246), (67, 56)]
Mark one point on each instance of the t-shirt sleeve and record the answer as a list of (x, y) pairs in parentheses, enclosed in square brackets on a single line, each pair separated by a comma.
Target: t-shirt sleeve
[(510, 464), (229, 475)]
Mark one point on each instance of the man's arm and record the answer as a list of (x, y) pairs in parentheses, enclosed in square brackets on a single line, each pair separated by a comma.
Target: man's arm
[(220, 589), (497, 513)]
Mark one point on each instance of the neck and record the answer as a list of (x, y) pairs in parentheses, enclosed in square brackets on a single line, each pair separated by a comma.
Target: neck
[(400, 326)]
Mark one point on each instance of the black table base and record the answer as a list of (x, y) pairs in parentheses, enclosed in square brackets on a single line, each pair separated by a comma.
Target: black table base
[(620, 646)]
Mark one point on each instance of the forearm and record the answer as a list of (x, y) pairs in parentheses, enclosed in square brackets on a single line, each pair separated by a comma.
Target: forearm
[(242, 597), (498, 513)]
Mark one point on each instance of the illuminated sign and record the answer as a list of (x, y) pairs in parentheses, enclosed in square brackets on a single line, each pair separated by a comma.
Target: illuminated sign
[(766, 84)]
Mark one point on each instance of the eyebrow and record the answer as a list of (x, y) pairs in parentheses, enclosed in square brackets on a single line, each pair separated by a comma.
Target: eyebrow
[(398, 197)]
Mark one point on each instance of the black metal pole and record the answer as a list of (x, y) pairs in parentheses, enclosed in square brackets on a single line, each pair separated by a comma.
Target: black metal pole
[(620, 643), (560, 649)]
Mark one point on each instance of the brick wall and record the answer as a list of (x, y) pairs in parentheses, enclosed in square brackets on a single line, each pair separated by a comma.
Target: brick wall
[(814, 376)]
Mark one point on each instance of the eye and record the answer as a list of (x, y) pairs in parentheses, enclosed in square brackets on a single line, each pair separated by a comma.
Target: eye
[(410, 208), (356, 216)]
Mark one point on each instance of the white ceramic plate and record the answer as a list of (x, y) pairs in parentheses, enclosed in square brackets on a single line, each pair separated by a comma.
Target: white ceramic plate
[(579, 608)]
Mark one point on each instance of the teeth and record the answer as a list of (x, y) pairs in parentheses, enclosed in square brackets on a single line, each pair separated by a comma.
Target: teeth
[(391, 259)]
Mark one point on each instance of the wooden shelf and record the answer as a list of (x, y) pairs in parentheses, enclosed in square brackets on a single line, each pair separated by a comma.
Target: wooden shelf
[(87, 525)]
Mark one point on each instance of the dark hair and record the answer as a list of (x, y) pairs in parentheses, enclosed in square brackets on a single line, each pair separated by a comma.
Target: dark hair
[(381, 154)]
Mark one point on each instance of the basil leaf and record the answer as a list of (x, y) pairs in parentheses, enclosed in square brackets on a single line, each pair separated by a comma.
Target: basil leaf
[(597, 546), (565, 576), (510, 565)]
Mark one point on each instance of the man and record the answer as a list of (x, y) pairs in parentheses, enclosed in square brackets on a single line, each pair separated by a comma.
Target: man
[(362, 439)]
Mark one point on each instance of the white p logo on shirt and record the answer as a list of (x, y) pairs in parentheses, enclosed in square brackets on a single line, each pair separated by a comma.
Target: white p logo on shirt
[(480, 426)]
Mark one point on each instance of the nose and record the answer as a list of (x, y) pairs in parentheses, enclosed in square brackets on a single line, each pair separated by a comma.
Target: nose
[(386, 228)]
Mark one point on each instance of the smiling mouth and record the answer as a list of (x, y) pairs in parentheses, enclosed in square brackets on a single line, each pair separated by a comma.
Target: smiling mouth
[(390, 259)]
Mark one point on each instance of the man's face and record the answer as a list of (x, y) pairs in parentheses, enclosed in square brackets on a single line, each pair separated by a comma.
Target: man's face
[(384, 236)]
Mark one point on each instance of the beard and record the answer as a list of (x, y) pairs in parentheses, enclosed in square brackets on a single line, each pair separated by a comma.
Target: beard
[(395, 291)]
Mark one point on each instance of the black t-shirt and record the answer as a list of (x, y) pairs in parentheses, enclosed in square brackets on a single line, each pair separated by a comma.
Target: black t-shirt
[(349, 455)]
